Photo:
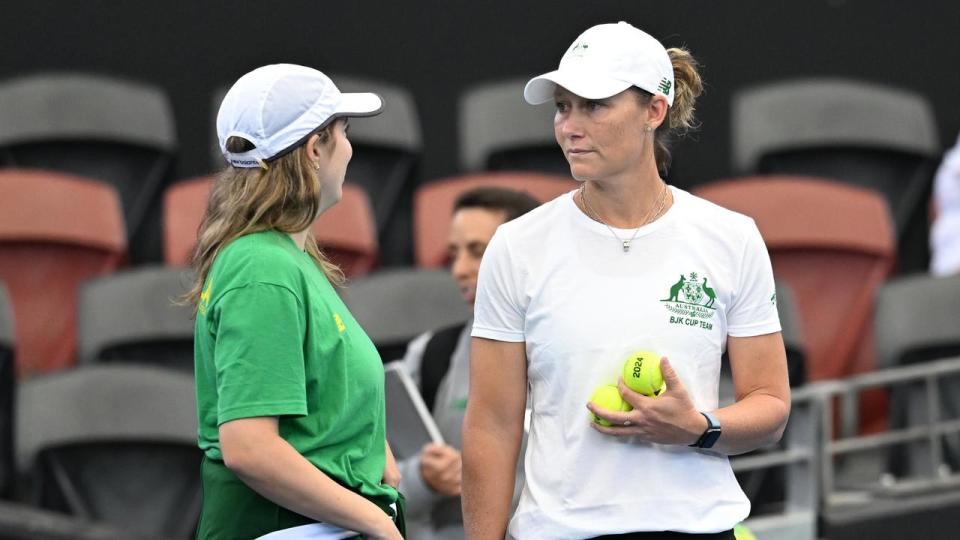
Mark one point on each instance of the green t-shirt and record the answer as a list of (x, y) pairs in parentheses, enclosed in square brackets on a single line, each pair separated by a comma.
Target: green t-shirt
[(273, 338)]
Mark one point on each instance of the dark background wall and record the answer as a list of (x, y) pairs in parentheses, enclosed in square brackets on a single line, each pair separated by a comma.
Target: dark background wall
[(437, 48)]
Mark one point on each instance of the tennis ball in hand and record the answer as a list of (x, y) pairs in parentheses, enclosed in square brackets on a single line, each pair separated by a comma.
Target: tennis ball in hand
[(608, 396), (641, 373)]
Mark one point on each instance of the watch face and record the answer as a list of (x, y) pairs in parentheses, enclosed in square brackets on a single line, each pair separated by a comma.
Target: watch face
[(710, 438)]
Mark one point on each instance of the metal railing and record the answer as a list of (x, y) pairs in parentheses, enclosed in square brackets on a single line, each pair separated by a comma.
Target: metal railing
[(822, 470)]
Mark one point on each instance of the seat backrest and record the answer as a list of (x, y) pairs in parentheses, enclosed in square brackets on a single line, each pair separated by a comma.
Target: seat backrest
[(791, 329), (114, 130), (916, 314), (56, 230), (113, 443), (133, 316), (394, 306), (833, 244), (7, 385), (813, 113), (433, 205), (346, 231), (499, 130)]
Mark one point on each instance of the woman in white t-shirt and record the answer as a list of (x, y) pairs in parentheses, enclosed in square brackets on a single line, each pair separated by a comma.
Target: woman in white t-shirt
[(625, 263)]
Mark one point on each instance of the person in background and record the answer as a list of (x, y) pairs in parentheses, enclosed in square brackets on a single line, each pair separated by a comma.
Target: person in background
[(945, 232), (569, 291), (290, 390), (439, 363)]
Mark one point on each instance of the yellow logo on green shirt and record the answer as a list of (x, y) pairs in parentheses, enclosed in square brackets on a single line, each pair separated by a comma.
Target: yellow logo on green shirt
[(205, 298), (340, 326)]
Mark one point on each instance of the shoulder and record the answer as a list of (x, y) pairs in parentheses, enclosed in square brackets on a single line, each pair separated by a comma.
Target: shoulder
[(263, 257), (533, 225), (711, 213)]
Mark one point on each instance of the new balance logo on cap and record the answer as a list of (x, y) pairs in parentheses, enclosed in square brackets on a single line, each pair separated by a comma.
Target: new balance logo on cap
[(665, 86)]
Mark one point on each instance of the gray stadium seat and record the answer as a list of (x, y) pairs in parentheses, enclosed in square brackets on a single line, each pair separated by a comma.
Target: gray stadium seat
[(114, 444), (395, 306), (7, 385), (859, 133), (500, 131), (131, 316), (113, 130), (916, 321)]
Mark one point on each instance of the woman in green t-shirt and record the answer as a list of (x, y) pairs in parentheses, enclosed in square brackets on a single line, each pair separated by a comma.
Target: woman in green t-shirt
[(289, 388)]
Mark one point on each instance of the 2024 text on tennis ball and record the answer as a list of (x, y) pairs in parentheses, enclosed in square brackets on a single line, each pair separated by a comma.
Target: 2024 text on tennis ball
[(641, 373)]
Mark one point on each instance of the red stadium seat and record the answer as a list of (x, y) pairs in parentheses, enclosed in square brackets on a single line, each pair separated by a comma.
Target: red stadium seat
[(433, 205), (346, 232), (834, 245), (56, 230)]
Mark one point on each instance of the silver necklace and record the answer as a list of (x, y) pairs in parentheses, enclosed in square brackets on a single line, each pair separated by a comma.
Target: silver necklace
[(651, 215)]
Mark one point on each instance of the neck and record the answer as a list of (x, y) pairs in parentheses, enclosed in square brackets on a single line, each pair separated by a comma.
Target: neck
[(625, 205), (299, 238)]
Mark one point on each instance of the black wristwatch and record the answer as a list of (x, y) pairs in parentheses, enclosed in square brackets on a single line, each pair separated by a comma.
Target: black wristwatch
[(712, 433)]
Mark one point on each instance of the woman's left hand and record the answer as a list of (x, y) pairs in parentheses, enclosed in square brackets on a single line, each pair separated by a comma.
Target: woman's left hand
[(670, 418), (391, 472)]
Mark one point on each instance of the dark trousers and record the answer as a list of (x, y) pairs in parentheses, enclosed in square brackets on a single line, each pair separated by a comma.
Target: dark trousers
[(667, 535)]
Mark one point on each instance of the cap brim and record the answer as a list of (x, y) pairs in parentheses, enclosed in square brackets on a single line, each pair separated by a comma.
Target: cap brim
[(359, 104), (585, 84)]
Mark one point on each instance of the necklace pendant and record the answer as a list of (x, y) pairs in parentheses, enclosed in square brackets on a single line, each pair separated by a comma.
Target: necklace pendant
[(626, 246)]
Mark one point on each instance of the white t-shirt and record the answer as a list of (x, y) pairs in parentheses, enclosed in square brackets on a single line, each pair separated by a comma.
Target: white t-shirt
[(562, 284), (945, 232)]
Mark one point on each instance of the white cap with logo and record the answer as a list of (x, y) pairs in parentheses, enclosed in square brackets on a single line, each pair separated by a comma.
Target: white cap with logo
[(278, 107), (606, 60)]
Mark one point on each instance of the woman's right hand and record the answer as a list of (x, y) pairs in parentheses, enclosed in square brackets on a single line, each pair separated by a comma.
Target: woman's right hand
[(440, 467)]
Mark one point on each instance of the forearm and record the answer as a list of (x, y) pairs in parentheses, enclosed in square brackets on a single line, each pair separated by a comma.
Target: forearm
[(755, 421), (278, 472), (489, 467)]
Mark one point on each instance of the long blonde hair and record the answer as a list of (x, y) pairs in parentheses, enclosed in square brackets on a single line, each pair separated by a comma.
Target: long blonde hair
[(284, 197)]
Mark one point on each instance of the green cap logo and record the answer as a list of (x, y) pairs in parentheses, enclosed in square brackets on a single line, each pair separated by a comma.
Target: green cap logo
[(665, 86), (579, 48)]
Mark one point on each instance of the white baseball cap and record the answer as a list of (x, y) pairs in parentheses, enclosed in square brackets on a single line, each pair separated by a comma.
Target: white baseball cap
[(278, 107), (606, 60)]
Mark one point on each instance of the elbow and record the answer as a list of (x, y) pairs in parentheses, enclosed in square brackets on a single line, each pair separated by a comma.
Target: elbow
[(781, 425), (241, 458)]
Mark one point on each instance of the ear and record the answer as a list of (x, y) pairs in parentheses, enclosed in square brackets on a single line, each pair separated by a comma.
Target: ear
[(657, 111), (315, 149)]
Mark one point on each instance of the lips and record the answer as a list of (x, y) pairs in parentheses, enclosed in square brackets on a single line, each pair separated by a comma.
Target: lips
[(576, 152)]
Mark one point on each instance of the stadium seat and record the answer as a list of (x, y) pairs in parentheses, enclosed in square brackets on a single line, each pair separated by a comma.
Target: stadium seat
[(858, 133), (916, 322), (433, 205), (7, 386), (396, 305), (56, 230), (386, 151), (833, 245), (500, 131), (112, 443), (112, 130), (346, 231), (143, 325)]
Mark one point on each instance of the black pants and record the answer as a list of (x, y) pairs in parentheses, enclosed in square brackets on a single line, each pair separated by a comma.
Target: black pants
[(667, 535)]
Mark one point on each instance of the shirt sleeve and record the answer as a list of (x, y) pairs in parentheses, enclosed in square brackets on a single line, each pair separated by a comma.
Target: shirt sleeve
[(258, 353), (499, 309), (753, 311)]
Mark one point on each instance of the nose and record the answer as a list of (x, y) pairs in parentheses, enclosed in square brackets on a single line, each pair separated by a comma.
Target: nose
[(568, 125)]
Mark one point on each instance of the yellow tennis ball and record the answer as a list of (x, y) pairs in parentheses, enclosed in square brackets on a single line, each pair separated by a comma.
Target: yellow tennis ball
[(641, 373), (608, 396), (741, 532)]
